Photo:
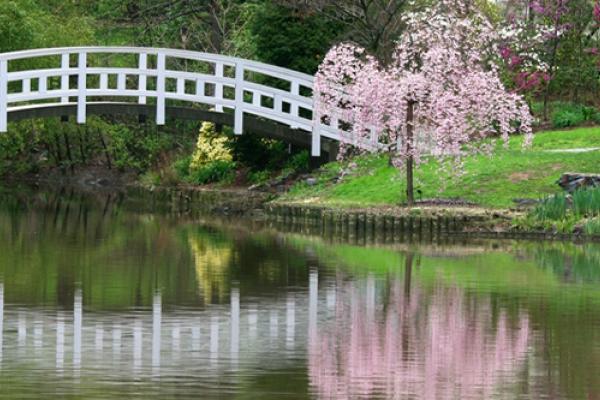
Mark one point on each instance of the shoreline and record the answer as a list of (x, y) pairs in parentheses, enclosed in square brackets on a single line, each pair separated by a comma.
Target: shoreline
[(395, 223), (367, 224)]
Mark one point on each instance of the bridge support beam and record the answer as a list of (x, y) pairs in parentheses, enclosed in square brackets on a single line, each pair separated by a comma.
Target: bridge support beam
[(160, 89), (238, 125), (143, 79), (316, 141), (81, 88), (3, 95)]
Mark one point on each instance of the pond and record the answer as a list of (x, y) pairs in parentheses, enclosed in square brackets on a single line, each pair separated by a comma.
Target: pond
[(102, 300)]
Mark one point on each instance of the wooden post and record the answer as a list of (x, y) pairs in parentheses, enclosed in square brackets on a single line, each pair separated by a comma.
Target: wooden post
[(142, 77), (3, 95), (238, 128), (81, 87), (160, 89)]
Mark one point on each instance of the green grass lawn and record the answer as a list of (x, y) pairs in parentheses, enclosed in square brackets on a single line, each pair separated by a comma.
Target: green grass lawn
[(489, 181)]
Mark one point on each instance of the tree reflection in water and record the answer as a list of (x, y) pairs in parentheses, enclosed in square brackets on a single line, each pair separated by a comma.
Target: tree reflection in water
[(437, 345)]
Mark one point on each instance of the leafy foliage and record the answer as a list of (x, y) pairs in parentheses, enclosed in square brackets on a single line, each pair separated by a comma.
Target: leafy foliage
[(567, 115), (564, 212), (212, 172), (282, 37)]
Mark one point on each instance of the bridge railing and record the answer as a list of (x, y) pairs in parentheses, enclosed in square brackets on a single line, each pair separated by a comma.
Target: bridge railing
[(227, 84)]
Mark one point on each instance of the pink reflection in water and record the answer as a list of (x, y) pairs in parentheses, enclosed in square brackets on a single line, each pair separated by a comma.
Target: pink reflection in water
[(434, 346)]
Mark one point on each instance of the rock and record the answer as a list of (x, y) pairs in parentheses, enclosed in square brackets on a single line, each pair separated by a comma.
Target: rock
[(525, 202), (256, 187), (311, 181), (574, 181), (579, 229)]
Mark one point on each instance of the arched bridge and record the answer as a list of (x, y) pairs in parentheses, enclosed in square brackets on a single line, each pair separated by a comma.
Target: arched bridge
[(158, 83)]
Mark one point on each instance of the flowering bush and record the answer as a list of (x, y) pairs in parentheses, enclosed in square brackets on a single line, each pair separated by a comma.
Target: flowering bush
[(211, 146)]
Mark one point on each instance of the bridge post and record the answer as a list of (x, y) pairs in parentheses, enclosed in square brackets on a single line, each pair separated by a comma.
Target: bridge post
[(316, 137), (238, 127), (82, 88), (294, 107), (160, 89), (64, 79), (219, 86), (142, 77), (3, 95)]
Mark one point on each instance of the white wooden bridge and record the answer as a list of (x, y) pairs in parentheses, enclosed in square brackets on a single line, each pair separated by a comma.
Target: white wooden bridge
[(81, 81)]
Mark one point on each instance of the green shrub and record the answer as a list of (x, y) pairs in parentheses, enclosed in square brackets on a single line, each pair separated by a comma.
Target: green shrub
[(567, 118), (553, 208), (182, 167), (563, 212), (586, 203), (150, 179), (259, 177), (592, 227), (213, 172), (566, 115), (299, 162), (259, 154)]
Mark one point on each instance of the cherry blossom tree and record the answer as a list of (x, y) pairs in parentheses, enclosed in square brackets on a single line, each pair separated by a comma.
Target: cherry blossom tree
[(440, 95)]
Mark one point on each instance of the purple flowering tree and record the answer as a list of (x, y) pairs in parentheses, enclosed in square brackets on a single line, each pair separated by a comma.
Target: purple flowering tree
[(440, 96), (548, 40)]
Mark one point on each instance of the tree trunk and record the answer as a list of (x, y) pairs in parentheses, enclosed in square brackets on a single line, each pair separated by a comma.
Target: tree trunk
[(410, 191)]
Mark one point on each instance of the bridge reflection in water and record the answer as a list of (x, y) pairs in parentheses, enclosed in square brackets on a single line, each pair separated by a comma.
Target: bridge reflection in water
[(144, 342)]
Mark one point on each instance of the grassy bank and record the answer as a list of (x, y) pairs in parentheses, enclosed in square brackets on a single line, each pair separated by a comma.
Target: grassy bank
[(495, 181)]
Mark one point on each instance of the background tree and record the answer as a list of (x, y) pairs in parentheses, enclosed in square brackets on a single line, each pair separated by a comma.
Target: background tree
[(550, 49), (298, 41), (374, 24)]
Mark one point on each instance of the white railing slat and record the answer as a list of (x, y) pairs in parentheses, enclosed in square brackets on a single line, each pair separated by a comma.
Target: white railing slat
[(3, 95), (160, 89), (238, 127), (64, 79), (142, 77), (81, 88), (219, 86)]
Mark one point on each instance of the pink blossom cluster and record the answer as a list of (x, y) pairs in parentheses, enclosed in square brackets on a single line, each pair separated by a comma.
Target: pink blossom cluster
[(441, 66)]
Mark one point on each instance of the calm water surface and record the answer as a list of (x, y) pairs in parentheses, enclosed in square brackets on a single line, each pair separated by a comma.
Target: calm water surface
[(98, 301)]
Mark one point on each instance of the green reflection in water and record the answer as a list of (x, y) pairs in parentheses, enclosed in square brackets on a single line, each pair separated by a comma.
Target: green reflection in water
[(120, 259)]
